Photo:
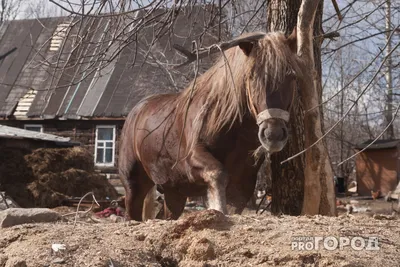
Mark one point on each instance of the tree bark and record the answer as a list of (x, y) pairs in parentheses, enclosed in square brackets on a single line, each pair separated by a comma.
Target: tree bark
[(319, 194), (388, 75), (288, 179)]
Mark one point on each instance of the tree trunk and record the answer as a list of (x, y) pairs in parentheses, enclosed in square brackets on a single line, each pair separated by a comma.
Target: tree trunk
[(388, 75), (288, 179), (319, 194)]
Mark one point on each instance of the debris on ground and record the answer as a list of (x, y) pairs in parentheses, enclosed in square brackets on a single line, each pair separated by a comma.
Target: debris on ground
[(7, 202), (16, 216), (58, 247), (110, 211)]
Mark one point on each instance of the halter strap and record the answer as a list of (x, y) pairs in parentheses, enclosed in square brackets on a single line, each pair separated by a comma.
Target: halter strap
[(269, 113), (276, 113)]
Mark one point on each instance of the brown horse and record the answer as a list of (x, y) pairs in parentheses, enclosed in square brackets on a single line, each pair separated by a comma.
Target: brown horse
[(202, 141)]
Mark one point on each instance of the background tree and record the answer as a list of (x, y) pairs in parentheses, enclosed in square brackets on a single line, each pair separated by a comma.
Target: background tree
[(9, 9)]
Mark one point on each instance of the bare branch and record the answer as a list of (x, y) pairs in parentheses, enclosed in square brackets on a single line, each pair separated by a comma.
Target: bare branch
[(204, 52), (379, 136), (7, 53), (348, 111), (337, 10)]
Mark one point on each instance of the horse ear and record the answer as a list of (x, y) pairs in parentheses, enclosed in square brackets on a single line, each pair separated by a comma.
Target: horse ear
[(292, 40), (246, 47)]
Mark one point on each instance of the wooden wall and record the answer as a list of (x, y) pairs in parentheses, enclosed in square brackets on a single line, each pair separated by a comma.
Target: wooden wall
[(377, 170)]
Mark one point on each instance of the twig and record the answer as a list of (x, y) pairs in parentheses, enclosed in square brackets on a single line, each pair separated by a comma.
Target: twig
[(269, 204), (5, 200), (340, 17), (72, 12), (204, 52), (77, 209), (7, 53), (254, 219), (330, 35), (262, 200)]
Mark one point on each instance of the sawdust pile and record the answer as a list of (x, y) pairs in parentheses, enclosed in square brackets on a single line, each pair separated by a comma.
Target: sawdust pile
[(205, 238), (47, 176)]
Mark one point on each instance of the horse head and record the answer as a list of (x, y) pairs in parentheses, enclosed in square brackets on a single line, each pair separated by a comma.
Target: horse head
[(270, 85)]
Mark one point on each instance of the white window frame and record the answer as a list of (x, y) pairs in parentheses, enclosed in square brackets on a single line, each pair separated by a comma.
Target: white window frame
[(110, 164), (34, 125)]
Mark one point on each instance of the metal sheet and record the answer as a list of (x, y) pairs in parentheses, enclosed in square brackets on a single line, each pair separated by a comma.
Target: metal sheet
[(13, 63), (17, 133), (90, 52)]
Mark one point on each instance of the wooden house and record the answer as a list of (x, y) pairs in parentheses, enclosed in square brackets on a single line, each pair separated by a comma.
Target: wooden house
[(90, 106), (378, 167)]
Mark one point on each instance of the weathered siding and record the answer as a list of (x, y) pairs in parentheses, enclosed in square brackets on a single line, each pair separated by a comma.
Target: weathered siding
[(377, 170)]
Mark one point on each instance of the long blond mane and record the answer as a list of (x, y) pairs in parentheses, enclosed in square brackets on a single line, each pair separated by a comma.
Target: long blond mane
[(223, 87)]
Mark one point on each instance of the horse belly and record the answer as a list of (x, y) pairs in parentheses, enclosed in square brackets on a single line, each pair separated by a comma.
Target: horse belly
[(187, 188)]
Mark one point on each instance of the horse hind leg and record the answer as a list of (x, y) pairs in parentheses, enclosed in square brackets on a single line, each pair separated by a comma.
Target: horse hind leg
[(137, 185)]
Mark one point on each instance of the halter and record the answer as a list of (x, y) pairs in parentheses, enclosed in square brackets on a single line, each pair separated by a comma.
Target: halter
[(269, 113)]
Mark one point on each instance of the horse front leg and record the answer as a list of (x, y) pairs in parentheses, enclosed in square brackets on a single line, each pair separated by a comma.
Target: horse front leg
[(203, 166)]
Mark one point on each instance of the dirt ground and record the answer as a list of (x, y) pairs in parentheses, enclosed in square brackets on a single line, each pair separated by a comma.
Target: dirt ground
[(201, 238)]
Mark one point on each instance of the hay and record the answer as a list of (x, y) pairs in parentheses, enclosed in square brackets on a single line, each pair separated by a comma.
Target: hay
[(48, 176), (55, 160)]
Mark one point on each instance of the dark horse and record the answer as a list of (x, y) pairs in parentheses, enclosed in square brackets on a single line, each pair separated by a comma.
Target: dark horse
[(202, 140)]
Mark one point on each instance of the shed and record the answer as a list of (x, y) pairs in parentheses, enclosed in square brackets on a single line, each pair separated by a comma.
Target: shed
[(378, 167)]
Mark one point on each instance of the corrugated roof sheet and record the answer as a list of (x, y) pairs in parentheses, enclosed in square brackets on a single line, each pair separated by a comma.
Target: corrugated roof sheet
[(109, 91), (379, 144), (17, 133)]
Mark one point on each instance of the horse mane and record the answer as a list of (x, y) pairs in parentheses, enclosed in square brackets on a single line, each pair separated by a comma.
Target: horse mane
[(222, 88)]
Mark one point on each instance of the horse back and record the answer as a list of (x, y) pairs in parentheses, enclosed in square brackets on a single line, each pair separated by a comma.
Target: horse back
[(151, 135)]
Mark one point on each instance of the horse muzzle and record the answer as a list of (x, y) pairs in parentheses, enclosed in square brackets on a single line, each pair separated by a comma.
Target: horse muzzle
[(272, 131)]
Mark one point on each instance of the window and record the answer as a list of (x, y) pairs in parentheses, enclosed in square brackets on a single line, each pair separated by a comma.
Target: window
[(105, 145), (34, 127)]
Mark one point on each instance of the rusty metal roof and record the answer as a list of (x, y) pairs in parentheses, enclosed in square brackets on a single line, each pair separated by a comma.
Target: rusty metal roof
[(31, 88)]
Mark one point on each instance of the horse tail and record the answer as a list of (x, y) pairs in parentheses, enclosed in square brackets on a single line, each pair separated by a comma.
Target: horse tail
[(148, 212)]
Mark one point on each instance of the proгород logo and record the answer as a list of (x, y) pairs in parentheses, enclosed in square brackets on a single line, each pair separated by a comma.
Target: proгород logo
[(307, 243)]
